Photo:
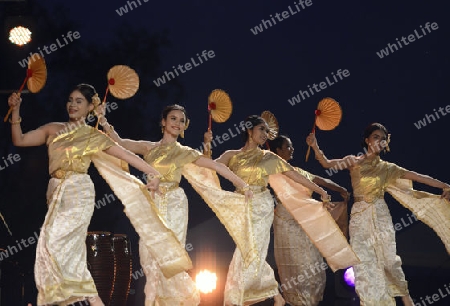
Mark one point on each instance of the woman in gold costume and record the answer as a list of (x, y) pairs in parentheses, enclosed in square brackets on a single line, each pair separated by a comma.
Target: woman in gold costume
[(295, 254), (250, 284), (61, 272), (173, 160), (379, 277)]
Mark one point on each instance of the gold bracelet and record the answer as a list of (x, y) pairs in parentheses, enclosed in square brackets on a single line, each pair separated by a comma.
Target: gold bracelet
[(321, 157), (245, 188), (152, 176), (446, 189), (111, 129), (15, 122), (105, 122), (327, 200)]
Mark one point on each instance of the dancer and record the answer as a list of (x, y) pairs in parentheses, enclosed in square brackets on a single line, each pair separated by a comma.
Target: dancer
[(251, 284), (174, 160), (61, 272), (379, 277), (295, 254)]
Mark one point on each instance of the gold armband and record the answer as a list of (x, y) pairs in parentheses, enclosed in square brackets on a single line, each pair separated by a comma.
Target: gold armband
[(111, 129), (320, 156), (152, 176), (100, 121), (326, 200), (15, 122)]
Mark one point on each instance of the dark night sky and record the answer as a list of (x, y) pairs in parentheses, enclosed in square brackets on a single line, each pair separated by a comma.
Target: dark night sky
[(261, 72)]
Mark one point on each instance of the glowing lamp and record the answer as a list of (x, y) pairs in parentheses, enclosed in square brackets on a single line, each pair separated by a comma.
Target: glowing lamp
[(20, 35), (206, 281)]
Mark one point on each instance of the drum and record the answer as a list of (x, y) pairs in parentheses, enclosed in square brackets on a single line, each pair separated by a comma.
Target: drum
[(100, 262), (123, 264)]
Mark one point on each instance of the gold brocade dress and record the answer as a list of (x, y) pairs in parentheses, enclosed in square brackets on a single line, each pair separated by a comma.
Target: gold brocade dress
[(61, 272), (296, 255), (379, 277), (247, 285), (172, 207)]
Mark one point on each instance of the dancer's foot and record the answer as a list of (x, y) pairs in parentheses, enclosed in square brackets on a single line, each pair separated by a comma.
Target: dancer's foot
[(407, 300), (95, 301), (279, 301)]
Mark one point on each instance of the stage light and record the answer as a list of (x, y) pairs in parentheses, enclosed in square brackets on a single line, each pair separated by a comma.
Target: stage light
[(349, 277), (20, 35), (206, 281)]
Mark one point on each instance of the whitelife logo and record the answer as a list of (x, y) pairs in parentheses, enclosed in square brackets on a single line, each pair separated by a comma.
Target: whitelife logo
[(68, 38), (187, 66), (391, 48)]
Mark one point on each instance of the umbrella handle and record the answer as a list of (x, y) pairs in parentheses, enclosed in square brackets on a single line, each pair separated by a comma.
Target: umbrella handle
[(104, 100), (312, 131), (307, 153), (7, 114), (209, 120), (20, 90), (106, 94), (207, 150)]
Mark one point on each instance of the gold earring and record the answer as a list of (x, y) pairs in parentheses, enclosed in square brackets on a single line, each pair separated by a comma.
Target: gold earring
[(162, 129), (182, 134)]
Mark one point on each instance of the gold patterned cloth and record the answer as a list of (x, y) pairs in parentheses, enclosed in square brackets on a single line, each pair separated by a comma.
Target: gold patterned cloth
[(172, 208), (170, 158), (248, 285), (370, 178), (140, 208), (429, 208), (316, 221), (256, 165), (173, 161), (60, 268), (300, 265), (60, 271), (379, 278)]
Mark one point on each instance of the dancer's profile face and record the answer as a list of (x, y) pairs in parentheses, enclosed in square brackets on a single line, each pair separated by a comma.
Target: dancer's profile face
[(174, 123), (286, 151), (376, 142), (78, 106), (259, 133)]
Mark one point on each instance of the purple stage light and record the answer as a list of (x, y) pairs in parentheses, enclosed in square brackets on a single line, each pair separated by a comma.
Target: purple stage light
[(349, 277)]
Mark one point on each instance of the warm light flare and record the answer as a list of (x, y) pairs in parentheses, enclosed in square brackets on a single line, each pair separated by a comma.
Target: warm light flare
[(206, 281), (20, 35)]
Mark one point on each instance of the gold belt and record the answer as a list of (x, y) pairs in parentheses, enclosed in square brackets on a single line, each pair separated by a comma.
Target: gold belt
[(367, 198), (59, 173), (166, 187), (255, 189)]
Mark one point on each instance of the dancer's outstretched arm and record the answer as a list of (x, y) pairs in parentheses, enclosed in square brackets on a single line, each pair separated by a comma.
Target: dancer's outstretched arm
[(340, 164)]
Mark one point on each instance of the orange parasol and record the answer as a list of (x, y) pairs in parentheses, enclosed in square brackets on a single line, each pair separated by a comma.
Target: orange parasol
[(35, 78), (219, 109), (219, 106), (272, 123), (123, 82), (328, 116)]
